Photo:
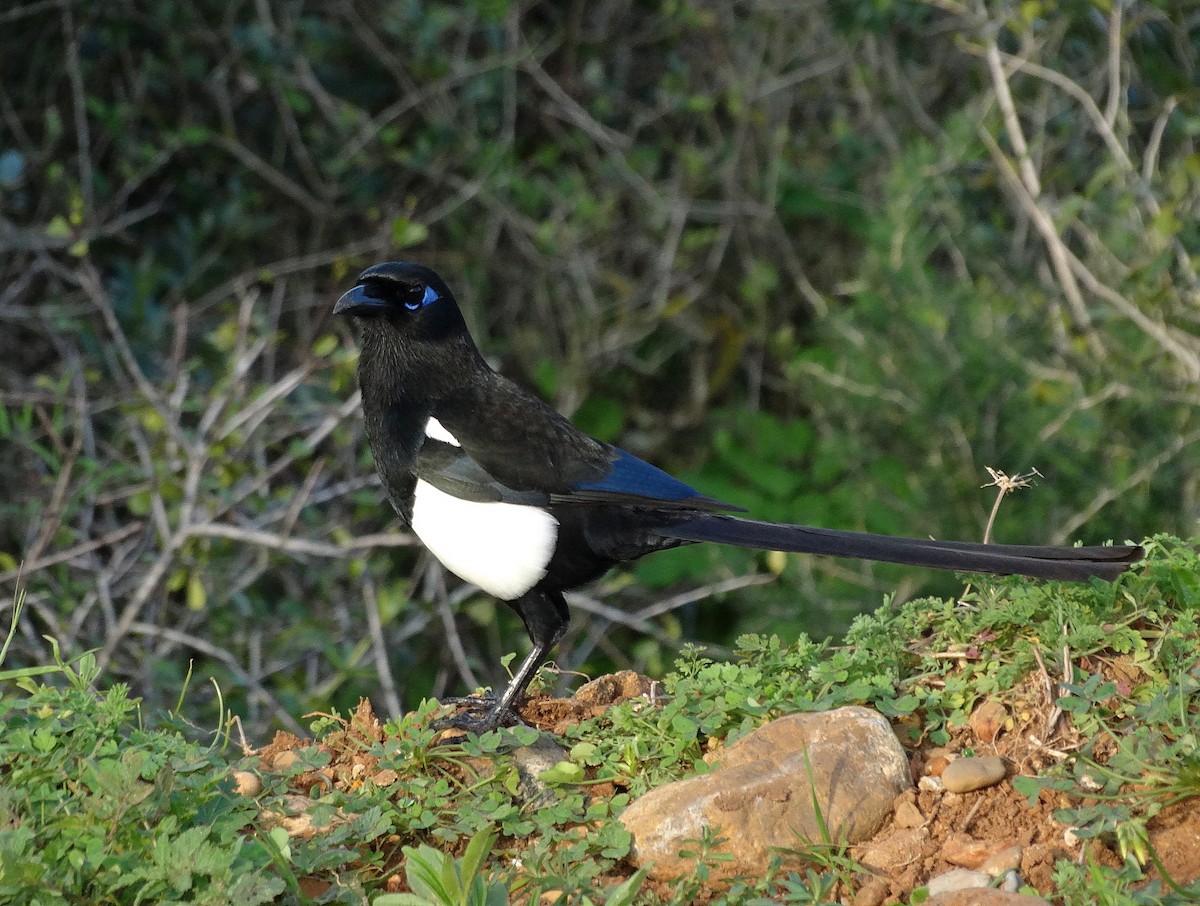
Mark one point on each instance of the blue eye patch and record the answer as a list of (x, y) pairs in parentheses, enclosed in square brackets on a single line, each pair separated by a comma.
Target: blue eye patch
[(428, 298)]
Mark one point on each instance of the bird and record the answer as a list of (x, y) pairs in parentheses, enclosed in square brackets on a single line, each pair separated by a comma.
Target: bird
[(511, 497)]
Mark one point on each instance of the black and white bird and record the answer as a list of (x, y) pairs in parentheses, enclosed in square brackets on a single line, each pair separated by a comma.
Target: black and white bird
[(513, 498)]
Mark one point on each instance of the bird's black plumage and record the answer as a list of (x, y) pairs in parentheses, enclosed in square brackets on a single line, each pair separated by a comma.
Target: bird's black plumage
[(508, 494)]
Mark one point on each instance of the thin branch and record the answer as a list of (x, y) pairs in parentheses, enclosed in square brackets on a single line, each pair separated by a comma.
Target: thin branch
[(1012, 123), (72, 552), (1182, 347), (1150, 157), (1085, 100), (1055, 247), (89, 281), (299, 546), (257, 411), (453, 639), (83, 138), (379, 651), (1115, 90), (1106, 496), (699, 594), (271, 175)]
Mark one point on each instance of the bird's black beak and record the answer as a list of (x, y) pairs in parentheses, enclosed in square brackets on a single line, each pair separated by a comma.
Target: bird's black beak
[(357, 302)]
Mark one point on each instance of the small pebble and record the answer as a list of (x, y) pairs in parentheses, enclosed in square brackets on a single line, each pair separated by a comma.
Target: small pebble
[(1012, 882), (966, 774), (931, 784), (965, 851), (384, 778), (872, 893), (958, 879), (908, 815), (1006, 860), (246, 783), (936, 761), (1070, 837), (988, 720)]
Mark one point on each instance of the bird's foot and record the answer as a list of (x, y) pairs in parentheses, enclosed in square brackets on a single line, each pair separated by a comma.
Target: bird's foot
[(480, 714)]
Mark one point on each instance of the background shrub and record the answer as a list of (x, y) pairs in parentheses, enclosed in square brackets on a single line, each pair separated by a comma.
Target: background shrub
[(830, 260)]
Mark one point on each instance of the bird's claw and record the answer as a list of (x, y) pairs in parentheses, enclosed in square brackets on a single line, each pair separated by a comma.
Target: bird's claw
[(480, 714)]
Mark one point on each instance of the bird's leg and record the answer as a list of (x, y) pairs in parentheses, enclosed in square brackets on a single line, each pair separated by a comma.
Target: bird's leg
[(498, 705), (500, 711), (545, 616)]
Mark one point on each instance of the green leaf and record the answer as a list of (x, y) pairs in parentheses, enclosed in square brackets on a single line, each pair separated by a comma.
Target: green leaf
[(197, 597), (477, 851), (325, 345), (625, 893), (564, 772), (58, 228), (281, 840), (406, 233), (426, 874)]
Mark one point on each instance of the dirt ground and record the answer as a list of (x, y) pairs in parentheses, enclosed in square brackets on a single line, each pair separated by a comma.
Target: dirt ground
[(930, 831)]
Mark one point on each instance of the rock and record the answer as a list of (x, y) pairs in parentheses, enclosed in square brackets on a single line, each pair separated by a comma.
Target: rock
[(988, 720), (758, 796), (294, 814), (617, 687), (965, 851), (931, 784), (984, 898), (957, 879), (247, 783), (385, 778), (531, 762), (936, 761), (906, 813), (872, 893), (966, 774), (1006, 860), (560, 715)]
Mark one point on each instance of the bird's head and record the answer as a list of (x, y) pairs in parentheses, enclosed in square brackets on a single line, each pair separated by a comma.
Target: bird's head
[(409, 298)]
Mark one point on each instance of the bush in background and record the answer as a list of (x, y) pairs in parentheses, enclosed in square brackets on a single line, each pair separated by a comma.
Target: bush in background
[(829, 260)]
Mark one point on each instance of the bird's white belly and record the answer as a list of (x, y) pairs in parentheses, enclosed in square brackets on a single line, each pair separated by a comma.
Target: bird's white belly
[(504, 548)]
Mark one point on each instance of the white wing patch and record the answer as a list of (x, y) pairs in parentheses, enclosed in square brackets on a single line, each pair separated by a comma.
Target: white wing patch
[(436, 430), (504, 548)]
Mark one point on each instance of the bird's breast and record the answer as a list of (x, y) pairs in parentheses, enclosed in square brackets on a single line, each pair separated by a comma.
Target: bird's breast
[(503, 548)]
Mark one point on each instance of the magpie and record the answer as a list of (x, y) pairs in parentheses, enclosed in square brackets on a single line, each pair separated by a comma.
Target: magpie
[(513, 498)]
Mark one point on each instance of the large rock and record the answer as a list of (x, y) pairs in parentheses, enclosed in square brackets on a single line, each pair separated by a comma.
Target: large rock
[(760, 799)]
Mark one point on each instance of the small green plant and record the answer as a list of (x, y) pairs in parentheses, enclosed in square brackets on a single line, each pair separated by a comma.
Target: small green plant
[(706, 856), (438, 879)]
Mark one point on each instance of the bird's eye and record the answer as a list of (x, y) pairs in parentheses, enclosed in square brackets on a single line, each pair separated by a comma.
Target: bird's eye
[(429, 296)]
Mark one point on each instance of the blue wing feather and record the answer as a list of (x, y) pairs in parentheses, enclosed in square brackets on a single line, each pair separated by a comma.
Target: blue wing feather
[(630, 479)]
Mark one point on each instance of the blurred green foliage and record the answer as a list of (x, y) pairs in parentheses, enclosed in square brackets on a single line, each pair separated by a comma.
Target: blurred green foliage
[(829, 261)]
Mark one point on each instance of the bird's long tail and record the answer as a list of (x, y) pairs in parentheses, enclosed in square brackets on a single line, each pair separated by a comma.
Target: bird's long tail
[(1070, 563)]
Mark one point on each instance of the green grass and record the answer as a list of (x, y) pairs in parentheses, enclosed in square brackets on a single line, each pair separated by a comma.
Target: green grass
[(98, 809)]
